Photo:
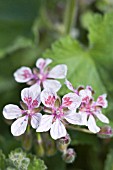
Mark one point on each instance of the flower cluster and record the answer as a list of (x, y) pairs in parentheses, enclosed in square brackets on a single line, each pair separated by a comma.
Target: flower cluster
[(77, 107)]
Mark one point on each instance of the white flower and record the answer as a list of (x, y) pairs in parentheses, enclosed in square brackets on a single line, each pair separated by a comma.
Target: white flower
[(42, 75), (90, 110), (59, 113), (31, 98)]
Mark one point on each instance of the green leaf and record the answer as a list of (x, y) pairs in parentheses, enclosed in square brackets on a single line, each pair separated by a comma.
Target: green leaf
[(36, 164), (81, 67), (18, 159), (2, 161), (109, 161)]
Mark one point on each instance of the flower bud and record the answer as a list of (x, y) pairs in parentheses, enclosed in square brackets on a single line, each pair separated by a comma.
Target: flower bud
[(69, 155), (27, 141), (39, 148), (49, 144), (105, 132), (63, 143)]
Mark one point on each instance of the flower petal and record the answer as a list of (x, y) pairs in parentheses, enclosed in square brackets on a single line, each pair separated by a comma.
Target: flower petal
[(12, 111), (71, 100), (58, 72), (23, 74), (92, 125), (48, 97), (19, 126), (35, 120), (45, 124), (58, 130), (42, 63), (73, 118), (84, 117), (101, 101), (31, 95), (85, 93), (69, 85), (101, 117), (52, 84)]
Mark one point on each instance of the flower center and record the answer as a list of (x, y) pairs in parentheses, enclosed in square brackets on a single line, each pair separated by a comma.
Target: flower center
[(58, 113), (88, 108)]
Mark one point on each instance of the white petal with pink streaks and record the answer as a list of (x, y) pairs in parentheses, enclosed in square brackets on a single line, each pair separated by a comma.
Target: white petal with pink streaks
[(42, 63), (48, 97), (31, 95), (85, 93), (23, 74), (102, 101), (71, 100)]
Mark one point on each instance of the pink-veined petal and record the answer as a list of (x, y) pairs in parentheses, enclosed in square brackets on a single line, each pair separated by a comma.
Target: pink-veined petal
[(69, 85), (84, 117), (71, 100), (31, 95), (101, 101), (58, 130), (19, 126), (85, 93), (12, 111), (42, 63), (73, 118), (101, 117), (92, 125), (58, 72), (52, 84), (23, 74), (48, 97), (45, 124), (35, 120)]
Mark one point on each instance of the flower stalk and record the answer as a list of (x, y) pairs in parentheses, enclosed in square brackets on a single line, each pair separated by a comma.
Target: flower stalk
[(70, 15), (79, 129)]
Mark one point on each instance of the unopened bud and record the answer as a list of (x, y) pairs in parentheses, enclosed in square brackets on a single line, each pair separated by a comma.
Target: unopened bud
[(69, 155), (63, 143), (49, 144), (105, 132), (39, 146), (27, 141)]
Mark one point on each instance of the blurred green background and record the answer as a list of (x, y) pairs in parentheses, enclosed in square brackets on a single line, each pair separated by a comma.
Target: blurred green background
[(78, 33)]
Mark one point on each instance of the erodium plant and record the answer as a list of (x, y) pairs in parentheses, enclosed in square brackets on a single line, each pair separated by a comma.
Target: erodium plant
[(44, 110)]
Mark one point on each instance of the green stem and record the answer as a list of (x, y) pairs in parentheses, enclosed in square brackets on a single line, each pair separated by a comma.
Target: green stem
[(70, 15), (79, 129)]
